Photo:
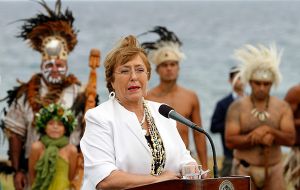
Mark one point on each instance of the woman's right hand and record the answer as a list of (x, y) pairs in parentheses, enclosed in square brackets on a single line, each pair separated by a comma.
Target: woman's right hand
[(168, 175)]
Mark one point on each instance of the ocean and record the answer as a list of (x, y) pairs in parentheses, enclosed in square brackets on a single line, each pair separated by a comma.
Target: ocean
[(210, 32)]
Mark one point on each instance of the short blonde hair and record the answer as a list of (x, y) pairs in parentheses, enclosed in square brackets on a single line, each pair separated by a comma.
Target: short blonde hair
[(127, 49)]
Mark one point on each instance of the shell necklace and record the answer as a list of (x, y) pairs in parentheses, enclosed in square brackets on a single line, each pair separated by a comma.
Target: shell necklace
[(260, 115)]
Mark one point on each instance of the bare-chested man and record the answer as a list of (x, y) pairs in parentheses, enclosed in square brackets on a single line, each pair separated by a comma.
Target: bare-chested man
[(292, 162), (166, 57), (257, 125)]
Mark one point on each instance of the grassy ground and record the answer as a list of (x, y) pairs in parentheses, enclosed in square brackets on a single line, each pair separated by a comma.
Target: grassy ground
[(6, 182), (211, 163)]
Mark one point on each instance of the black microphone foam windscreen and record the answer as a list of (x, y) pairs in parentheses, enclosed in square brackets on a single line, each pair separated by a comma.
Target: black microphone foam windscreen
[(165, 110)]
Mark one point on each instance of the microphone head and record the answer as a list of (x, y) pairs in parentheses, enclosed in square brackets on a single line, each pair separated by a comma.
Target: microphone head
[(165, 110)]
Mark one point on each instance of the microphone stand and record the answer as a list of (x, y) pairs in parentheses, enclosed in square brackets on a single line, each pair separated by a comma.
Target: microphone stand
[(215, 167), (169, 112)]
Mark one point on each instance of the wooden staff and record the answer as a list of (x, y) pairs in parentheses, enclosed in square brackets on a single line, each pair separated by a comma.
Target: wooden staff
[(90, 93), (91, 89)]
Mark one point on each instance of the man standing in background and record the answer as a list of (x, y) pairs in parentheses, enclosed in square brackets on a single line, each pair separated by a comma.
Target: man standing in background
[(292, 162), (53, 35), (219, 116), (259, 124), (165, 53)]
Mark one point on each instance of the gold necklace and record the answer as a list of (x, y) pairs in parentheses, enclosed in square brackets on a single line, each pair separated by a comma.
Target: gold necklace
[(260, 115)]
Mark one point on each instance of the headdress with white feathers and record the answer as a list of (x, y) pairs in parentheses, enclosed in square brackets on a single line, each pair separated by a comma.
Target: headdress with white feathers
[(164, 49), (259, 63)]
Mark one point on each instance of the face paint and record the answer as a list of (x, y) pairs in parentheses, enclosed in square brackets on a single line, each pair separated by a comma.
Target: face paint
[(54, 71)]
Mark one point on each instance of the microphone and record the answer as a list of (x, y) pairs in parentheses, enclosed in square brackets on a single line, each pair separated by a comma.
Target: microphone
[(169, 112)]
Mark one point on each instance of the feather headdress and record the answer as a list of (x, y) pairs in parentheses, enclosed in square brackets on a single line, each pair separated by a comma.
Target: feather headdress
[(164, 49), (259, 63), (54, 29)]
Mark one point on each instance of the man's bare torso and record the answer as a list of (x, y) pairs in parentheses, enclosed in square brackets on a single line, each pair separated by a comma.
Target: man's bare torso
[(182, 100), (255, 155), (293, 98)]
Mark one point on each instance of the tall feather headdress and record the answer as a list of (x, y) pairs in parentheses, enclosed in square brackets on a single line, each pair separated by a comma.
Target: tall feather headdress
[(52, 34), (259, 63), (164, 49)]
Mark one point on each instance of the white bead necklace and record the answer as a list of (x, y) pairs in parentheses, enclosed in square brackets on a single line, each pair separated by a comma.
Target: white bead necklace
[(262, 116)]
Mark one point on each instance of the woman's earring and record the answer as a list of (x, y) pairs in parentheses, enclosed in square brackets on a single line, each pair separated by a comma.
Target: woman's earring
[(112, 95)]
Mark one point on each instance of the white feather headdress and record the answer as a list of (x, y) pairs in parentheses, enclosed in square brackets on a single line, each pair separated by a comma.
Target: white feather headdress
[(260, 63), (165, 49)]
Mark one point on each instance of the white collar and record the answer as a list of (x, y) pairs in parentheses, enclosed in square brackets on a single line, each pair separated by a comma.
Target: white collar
[(235, 95)]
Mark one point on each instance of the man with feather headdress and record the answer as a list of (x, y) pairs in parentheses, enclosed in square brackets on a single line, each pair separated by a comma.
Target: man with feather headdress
[(52, 35), (166, 54), (258, 124)]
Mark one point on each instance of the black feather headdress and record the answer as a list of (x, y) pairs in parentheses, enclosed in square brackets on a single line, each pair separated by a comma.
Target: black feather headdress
[(167, 47), (54, 23)]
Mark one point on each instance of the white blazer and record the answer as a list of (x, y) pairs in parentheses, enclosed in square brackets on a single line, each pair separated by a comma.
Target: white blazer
[(113, 140)]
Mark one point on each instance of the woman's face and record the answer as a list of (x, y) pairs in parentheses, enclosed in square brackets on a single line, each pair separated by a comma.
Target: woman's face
[(55, 129), (130, 81)]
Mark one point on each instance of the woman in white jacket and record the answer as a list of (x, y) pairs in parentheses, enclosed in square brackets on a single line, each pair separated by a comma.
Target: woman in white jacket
[(127, 142)]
